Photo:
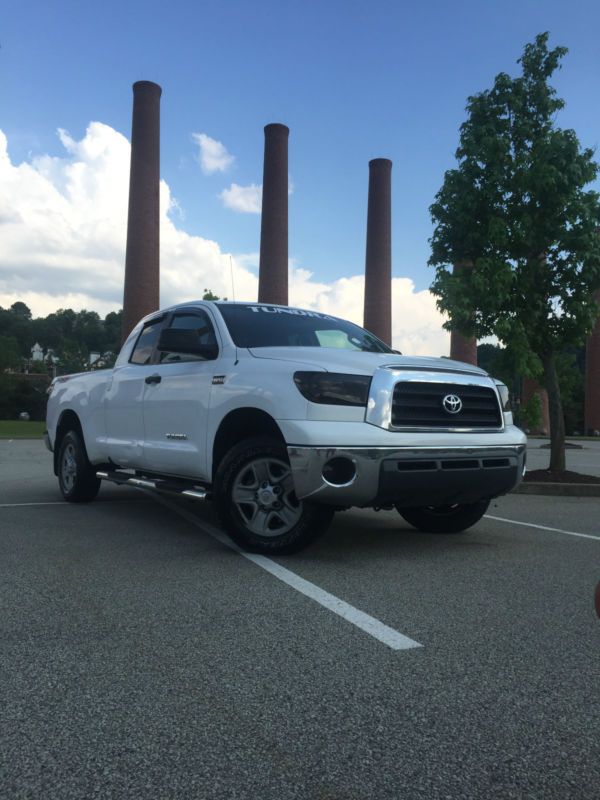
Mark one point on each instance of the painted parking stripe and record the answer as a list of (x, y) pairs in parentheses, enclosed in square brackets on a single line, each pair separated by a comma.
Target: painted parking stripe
[(67, 505), (22, 505), (374, 627), (544, 527)]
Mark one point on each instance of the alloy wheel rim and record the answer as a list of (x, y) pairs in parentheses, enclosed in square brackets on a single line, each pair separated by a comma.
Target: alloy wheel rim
[(264, 495), (68, 467)]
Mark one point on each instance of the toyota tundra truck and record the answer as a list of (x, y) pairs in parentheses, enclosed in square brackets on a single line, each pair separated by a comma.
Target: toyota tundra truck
[(282, 416)]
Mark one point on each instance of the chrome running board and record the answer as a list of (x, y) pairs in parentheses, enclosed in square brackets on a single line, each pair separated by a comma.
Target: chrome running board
[(157, 484)]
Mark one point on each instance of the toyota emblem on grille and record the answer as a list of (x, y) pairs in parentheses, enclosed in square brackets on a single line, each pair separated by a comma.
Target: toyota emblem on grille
[(452, 404)]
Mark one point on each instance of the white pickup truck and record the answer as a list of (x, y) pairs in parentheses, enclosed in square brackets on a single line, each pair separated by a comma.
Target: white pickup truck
[(283, 416)]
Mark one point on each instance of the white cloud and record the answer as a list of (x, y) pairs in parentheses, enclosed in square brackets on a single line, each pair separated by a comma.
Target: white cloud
[(416, 322), (212, 155), (63, 228), (246, 199)]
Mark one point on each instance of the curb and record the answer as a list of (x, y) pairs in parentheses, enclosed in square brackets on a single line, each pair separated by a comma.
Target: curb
[(559, 489), (21, 438)]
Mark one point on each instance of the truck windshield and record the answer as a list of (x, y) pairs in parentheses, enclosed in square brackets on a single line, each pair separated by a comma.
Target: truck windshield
[(252, 325)]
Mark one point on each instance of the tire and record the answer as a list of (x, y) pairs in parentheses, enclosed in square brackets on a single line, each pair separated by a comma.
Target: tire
[(275, 523), (444, 519), (76, 476)]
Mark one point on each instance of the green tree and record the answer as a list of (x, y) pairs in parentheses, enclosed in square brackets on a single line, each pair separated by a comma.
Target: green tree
[(499, 362), (112, 331), (516, 213), (88, 330), (10, 357), (16, 323), (20, 309)]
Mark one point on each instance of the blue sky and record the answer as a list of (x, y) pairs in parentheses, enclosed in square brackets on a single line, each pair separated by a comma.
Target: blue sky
[(352, 80)]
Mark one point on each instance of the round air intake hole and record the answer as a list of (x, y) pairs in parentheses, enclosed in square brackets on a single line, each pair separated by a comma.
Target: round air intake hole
[(339, 471)]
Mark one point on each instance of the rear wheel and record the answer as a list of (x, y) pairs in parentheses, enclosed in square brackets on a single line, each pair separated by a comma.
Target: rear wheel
[(445, 519), (76, 476), (257, 502)]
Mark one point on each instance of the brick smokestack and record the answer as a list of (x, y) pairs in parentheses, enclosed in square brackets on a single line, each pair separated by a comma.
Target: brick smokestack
[(530, 388), (378, 263), (273, 269), (142, 264), (592, 379), (463, 348)]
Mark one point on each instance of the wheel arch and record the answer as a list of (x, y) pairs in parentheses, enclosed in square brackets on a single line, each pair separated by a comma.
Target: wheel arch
[(239, 424)]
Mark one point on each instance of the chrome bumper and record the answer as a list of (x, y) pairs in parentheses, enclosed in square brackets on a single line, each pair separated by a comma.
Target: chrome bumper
[(409, 476)]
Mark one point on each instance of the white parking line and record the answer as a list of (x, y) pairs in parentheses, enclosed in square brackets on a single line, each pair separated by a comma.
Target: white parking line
[(367, 623), (543, 527), (20, 505), (68, 505)]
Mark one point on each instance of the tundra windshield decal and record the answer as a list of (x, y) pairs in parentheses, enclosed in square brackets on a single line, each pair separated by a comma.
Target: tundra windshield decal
[(296, 312)]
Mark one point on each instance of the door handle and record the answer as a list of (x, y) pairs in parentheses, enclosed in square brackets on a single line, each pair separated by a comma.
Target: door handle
[(153, 379)]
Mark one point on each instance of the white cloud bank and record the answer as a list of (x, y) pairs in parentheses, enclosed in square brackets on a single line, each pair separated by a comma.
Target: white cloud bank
[(63, 227), (212, 155)]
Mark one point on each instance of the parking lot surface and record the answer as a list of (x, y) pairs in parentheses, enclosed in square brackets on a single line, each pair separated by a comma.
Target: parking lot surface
[(143, 657), (584, 457)]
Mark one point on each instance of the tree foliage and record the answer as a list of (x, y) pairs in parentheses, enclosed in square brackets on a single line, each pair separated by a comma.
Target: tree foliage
[(517, 213), (64, 331), (71, 335)]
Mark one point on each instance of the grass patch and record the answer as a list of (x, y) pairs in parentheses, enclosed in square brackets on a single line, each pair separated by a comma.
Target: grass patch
[(16, 429)]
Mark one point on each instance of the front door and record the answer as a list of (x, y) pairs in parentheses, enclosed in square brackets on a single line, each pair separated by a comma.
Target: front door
[(176, 403)]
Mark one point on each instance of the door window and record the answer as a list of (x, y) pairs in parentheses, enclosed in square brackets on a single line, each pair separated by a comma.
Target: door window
[(142, 352), (198, 322)]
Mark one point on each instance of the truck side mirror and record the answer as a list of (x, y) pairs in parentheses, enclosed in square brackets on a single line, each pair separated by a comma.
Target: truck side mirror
[(180, 340)]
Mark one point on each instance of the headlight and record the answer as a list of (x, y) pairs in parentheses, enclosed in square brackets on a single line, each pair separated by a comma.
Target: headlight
[(334, 388), (504, 395)]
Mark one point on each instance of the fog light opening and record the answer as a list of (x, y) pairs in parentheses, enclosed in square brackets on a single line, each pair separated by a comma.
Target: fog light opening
[(339, 471)]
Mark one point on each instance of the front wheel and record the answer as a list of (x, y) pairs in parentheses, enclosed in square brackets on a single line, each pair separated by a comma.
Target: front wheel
[(257, 503), (76, 476), (444, 519)]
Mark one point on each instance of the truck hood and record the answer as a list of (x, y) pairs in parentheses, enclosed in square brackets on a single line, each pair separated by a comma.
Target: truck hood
[(332, 359)]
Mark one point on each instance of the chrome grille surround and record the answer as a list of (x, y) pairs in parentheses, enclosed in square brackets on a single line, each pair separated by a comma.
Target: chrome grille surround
[(380, 406)]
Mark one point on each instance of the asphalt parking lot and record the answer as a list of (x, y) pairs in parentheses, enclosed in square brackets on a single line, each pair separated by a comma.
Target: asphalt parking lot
[(142, 657)]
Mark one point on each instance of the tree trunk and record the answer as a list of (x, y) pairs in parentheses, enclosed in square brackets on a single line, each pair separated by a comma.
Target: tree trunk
[(557, 420)]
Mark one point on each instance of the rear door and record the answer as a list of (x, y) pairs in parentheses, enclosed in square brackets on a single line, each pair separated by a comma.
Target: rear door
[(176, 403)]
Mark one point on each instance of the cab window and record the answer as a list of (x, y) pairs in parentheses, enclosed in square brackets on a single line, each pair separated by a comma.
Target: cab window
[(200, 324)]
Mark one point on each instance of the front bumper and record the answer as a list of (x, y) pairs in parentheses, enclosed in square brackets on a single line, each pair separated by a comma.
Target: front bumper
[(409, 476)]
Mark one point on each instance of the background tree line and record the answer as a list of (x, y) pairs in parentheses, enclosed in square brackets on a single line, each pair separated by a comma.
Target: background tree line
[(70, 335)]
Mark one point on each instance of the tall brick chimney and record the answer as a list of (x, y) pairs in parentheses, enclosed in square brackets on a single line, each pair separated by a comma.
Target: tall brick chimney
[(530, 388), (273, 268), (142, 264), (592, 378), (378, 262), (463, 348)]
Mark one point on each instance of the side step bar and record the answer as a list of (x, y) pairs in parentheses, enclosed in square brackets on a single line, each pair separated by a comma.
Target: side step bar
[(158, 484)]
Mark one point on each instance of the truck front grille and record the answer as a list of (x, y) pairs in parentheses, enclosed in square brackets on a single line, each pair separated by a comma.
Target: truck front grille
[(421, 405)]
